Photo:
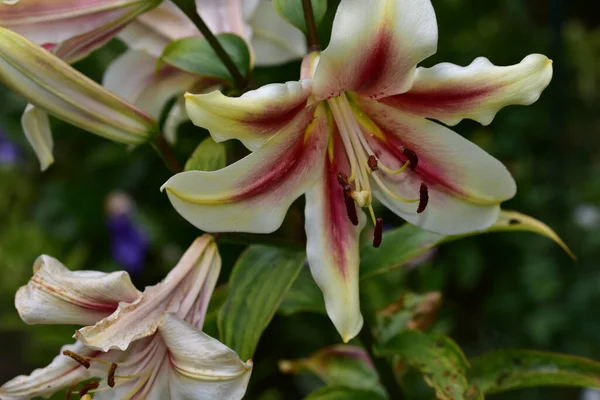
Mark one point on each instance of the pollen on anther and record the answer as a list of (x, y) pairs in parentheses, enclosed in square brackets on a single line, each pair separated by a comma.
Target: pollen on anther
[(88, 387), (343, 181), (411, 156), (373, 163), (111, 375), (378, 232), (423, 198), (81, 360)]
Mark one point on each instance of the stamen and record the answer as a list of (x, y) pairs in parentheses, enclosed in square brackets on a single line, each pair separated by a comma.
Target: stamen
[(373, 163), (378, 233), (81, 360), (88, 387), (70, 390), (343, 181), (111, 375), (410, 156), (423, 198), (351, 209)]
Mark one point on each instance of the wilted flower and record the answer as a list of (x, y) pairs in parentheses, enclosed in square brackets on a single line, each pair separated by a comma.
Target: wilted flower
[(128, 241), (159, 351), (54, 87), (133, 75), (356, 128)]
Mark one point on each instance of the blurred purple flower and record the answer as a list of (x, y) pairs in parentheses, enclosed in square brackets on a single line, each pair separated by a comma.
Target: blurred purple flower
[(128, 241), (9, 151)]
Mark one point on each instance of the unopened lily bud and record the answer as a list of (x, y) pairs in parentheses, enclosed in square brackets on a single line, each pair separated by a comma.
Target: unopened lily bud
[(55, 87)]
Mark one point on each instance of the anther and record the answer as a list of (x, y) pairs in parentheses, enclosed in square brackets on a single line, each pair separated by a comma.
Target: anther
[(351, 209), (411, 156), (88, 387), (423, 198), (111, 375), (81, 360), (70, 390), (373, 163), (343, 181), (378, 233)]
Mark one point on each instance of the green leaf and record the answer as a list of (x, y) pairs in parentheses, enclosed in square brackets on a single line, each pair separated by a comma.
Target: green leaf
[(502, 370), (303, 296), (412, 311), (293, 12), (217, 300), (342, 365), (343, 393), (260, 279), (441, 361), (196, 56), (404, 244), (208, 156)]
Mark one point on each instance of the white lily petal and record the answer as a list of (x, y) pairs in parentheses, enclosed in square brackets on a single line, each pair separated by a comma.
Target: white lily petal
[(253, 194), (274, 40), (451, 93), (36, 127), (332, 244), (375, 47), (202, 367), (56, 295), (183, 292), (224, 16), (58, 375), (133, 77), (177, 116)]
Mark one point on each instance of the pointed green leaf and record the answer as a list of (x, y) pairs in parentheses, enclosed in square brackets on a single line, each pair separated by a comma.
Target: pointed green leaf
[(404, 244), (208, 156), (260, 279), (343, 393), (196, 56), (293, 12), (502, 370), (343, 365), (441, 361)]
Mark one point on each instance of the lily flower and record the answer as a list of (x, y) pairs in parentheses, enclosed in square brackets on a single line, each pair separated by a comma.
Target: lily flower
[(54, 87), (72, 28), (133, 75), (357, 127), (158, 348)]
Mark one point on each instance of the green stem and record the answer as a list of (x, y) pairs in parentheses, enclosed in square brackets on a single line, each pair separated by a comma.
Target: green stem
[(311, 26), (386, 374), (165, 152), (189, 8)]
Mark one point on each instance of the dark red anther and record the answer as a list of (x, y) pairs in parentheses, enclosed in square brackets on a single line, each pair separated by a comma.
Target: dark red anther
[(378, 232), (373, 163), (81, 360), (351, 209), (411, 156), (88, 387), (343, 181), (423, 198), (111, 375)]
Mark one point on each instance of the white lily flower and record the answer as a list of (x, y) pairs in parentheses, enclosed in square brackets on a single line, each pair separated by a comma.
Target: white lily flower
[(359, 126), (132, 76), (158, 350)]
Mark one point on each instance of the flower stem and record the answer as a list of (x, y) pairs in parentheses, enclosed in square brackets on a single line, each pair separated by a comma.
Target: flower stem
[(189, 9), (386, 374), (165, 152), (311, 27)]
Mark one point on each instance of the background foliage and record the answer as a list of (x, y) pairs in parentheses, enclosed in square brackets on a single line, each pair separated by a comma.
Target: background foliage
[(499, 290)]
